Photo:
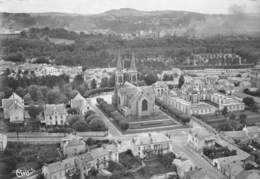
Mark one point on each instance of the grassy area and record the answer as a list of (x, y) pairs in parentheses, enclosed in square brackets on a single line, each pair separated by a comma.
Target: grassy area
[(156, 116)]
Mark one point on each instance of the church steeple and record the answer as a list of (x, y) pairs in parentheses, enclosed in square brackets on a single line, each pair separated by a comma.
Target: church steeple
[(119, 62), (133, 70), (132, 65), (119, 71)]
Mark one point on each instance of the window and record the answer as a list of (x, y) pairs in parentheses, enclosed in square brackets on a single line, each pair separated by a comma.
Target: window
[(144, 105), (134, 78)]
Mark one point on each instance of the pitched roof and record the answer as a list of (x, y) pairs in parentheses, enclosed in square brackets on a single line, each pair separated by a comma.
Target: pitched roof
[(78, 97), (150, 138), (14, 98), (59, 109), (104, 150)]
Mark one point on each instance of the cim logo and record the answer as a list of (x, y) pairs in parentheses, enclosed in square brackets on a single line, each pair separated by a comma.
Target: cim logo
[(22, 173)]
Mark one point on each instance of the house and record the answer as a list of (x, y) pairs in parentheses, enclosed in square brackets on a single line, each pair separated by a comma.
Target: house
[(184, 167), (3, 142), (81, 164), (13, 108), (160, 87), (80, 103), (198, 139), (72, 145), (147, 145), (103, 154), (60, 169), (54, 114)]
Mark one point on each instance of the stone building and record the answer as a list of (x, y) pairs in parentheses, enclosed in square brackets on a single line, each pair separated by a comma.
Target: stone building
[(132, 100)]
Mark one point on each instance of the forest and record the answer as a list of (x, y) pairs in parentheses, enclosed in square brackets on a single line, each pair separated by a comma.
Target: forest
[(98, 50)]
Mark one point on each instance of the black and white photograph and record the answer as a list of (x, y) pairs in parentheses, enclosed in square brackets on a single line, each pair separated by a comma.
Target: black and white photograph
[(129, 89)]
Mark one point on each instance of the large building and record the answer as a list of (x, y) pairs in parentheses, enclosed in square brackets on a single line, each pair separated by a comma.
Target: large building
[(13, 108), (132, 100), (187, 107), (149, 144), (230, 103)]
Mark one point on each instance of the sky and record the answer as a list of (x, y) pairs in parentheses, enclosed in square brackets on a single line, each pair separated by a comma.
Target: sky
[(98, 6)]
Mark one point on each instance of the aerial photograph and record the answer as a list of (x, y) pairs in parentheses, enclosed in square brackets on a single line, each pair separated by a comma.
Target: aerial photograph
[(129, 89)]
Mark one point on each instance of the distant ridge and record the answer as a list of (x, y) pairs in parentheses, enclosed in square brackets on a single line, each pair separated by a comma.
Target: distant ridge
[(127, 20)]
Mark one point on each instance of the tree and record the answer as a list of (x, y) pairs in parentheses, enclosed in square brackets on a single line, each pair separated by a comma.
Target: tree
[(34, 113), (78, 80), (20, 91), (150, 78), (242, 119), (80, 126), (73, 119), (111, 81), (224, 111), (249, 101), (28, 99), (97, 125), (181, 81), (104, 82), (232, 116), (93, 84)]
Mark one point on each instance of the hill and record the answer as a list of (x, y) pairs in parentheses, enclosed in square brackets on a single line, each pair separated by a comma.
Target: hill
[(126, 20)]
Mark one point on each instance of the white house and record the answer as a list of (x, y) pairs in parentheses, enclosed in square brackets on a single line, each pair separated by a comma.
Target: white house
[(54, 114), (80, 103), (72, 145), (13, 108), (148, 144)]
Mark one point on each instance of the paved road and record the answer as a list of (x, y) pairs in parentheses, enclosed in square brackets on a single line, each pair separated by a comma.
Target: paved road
[(113, 131), (186, 152)]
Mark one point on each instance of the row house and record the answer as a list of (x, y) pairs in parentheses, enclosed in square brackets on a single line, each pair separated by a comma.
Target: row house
[(81, 164)]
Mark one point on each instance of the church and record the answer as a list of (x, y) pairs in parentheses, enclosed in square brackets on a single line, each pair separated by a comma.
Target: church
[(132, 100)]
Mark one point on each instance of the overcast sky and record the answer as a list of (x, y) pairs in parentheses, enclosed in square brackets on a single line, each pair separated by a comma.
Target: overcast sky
[(97, 6)]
